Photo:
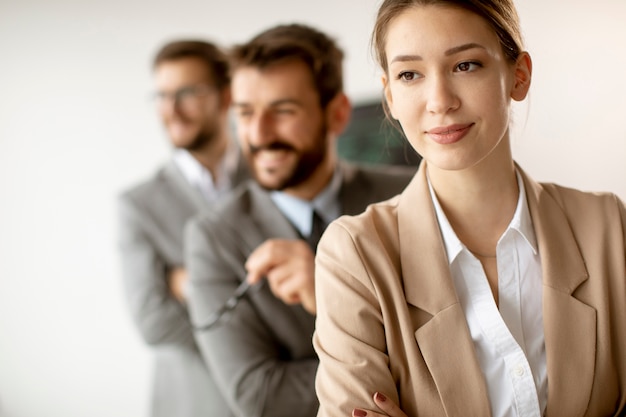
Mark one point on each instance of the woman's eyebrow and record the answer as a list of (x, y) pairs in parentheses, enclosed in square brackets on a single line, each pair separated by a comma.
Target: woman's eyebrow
[(451, 51), (462, 48)]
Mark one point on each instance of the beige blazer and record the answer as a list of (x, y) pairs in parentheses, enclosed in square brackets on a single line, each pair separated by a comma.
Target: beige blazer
[(389, 318)]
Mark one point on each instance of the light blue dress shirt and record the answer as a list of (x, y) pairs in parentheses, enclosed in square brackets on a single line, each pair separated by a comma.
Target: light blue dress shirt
[(300, 212)]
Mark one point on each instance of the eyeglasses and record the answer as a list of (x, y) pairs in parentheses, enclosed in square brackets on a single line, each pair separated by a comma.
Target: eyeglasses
[(185, 96), (242, 290)]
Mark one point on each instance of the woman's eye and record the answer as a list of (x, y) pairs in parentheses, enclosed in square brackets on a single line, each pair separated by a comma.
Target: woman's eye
[(408, 76), (467, 66)]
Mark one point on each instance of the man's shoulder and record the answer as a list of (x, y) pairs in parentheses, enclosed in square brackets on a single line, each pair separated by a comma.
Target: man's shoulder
[(387, 172), (237, 203), (146, 188), (378, 176)]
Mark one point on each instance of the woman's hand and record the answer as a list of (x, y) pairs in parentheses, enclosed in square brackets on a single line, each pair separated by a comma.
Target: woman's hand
[(388, 408)]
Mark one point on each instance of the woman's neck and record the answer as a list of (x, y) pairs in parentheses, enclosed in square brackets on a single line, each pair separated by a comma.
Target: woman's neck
[(479, 202)]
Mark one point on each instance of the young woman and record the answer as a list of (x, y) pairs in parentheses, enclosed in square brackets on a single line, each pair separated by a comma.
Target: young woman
[(477, 291)]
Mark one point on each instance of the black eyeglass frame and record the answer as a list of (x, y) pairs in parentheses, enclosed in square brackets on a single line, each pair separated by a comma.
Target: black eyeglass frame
[(183, 93)]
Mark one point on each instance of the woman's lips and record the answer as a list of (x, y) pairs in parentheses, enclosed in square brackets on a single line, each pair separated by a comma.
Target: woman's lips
[(446, 135)]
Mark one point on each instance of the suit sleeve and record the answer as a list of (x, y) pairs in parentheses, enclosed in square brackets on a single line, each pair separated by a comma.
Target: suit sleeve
[(252, 370), (159, 317), (349, 333)]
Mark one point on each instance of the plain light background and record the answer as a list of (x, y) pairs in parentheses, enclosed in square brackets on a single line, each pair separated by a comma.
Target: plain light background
[(76, 127)]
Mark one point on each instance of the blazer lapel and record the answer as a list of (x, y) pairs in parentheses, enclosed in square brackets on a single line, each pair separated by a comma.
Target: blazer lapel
[(269, 222), (242, 173), (444, 341), (569, 324), (181, 186), (254, 220)]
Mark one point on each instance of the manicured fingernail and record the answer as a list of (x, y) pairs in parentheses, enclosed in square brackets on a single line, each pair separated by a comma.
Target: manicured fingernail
[(380, 397), (357, 412)]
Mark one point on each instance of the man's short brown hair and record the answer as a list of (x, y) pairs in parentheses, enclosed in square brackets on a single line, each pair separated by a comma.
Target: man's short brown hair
[(295, 41), (215, 59)]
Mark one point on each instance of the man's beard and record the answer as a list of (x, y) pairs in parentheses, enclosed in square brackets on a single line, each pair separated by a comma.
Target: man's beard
[(201, 140), (307, 163)]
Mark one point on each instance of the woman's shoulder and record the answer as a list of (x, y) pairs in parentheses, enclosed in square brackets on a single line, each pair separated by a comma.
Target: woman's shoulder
[(373, 230), (579, 201), (365, 245), (589, 213)]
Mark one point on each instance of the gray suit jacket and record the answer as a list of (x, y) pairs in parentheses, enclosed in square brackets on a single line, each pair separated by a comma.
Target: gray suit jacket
[(261, 355), (152, 217)]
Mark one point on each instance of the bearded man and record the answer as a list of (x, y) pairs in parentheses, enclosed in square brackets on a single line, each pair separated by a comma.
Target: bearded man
[(289, 110), (193, 99)]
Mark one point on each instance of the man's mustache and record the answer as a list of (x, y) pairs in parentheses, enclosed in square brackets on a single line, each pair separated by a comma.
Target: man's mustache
[(273, 146)]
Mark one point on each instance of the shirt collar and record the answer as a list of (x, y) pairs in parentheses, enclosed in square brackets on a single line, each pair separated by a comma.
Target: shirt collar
[(521, 222), (300, 212), (200, 177)]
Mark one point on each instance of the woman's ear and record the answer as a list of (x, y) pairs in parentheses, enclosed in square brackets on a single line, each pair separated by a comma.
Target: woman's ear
[(338, 112), (387, 95), (523, 74)]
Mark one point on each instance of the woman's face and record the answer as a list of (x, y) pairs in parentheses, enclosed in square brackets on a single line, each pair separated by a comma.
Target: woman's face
[(450, 85)]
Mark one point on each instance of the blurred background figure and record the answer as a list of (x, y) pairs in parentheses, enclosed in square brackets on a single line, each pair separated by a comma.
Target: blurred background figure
[(192, 99), (290, 108)]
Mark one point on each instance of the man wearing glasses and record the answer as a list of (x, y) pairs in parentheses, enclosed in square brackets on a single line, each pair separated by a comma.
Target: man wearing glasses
[(251, 259), (192, 99)]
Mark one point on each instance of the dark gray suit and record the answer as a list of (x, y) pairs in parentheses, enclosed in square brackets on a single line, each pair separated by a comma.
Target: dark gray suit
[(152, 218), (262, 356)]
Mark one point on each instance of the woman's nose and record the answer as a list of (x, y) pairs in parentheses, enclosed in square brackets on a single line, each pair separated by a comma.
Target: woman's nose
[(441, 96)]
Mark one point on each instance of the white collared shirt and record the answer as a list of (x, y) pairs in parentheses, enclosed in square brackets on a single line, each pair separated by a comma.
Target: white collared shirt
[(201, 179), (300, 212), (509, 342)]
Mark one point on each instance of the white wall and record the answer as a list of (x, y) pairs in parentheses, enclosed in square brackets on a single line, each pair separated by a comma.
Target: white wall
[(76, 127)]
